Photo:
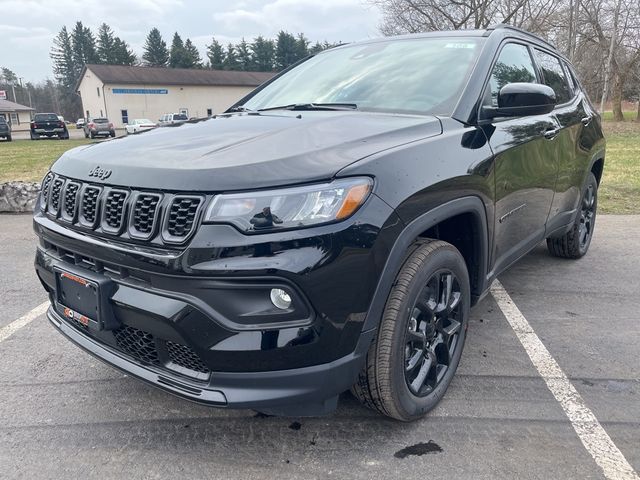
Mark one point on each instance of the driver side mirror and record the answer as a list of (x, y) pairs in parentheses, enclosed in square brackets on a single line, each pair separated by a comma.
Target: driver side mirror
[(521, 100)]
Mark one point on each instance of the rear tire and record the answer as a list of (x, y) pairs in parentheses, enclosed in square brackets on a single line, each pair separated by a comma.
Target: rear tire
[(421, 335), (33, 137), (575, 243), (9, 138)]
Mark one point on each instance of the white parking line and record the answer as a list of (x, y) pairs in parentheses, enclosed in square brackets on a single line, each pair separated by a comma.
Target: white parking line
[(594, 438), (13, 327)]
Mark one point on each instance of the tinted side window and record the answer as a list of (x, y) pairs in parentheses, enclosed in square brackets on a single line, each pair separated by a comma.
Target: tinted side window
[(554, 76), (514, 65)]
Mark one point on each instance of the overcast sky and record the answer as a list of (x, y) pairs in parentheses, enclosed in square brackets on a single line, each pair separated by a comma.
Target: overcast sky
[(27, 27)]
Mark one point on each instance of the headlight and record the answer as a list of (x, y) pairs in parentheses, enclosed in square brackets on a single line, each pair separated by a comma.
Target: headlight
[(290, 207)]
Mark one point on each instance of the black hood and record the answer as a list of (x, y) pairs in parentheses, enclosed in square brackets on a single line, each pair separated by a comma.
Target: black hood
[(245, 151)]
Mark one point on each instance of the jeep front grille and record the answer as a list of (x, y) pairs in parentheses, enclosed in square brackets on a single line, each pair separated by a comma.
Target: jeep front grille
[(125, 213)]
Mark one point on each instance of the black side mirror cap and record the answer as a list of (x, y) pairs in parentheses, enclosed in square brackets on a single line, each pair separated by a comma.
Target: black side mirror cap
[(521, 100)]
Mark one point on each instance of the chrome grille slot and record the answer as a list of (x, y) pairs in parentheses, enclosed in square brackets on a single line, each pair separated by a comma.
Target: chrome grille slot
[(70, 198), (181, 218), (114, 208), (55, 196), (89, 205), (144, 216), (46, 184)]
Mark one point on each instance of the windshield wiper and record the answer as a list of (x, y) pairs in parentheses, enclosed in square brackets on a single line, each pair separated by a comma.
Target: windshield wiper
[(240, 108), (313, 106)]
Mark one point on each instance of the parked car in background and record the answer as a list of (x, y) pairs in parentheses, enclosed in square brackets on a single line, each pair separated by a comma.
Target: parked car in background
[(139, 125), (99, 127), (5, 129), (172, 119), (48, 125), (80, 123)]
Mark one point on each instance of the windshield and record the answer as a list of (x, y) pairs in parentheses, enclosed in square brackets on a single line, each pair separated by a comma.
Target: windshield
[(143, 120), (100, 120), (45, 117), (421, 75), (180, 117)]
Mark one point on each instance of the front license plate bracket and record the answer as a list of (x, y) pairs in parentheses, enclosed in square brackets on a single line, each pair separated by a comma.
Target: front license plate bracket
[(84, 296)]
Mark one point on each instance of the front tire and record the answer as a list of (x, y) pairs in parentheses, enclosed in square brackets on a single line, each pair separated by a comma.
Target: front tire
[(575, 243), (419, 342)]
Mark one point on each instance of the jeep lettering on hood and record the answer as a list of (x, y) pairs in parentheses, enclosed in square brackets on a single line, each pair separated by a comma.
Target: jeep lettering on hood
[(100, 173)]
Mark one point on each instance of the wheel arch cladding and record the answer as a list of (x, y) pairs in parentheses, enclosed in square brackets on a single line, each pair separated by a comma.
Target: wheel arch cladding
[(473, 243)]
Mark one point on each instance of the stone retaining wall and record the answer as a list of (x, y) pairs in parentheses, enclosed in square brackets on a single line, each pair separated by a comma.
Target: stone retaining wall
[(17, 197)]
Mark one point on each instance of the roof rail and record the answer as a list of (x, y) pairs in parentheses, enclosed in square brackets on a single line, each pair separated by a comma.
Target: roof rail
[(501, 26)]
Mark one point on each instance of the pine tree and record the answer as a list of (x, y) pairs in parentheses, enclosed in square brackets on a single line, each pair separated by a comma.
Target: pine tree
[(263, 52), (155, 50), (245, 58), (316, 48), (177, 54), (286, 50), (192, 56), (231, 60), (215, 54), (106, 44), (302, 47), (64, 68), (83, 46), (123, 54)]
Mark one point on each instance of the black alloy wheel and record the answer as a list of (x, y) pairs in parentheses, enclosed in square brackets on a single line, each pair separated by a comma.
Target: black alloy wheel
[(433, 331)]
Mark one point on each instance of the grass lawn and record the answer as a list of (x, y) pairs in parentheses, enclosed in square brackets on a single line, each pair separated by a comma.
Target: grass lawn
[(29, 160), (628, 115), (620, 186), (619, 192)]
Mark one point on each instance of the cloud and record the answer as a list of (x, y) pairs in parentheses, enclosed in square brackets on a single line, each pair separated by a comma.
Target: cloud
[(32, 24)]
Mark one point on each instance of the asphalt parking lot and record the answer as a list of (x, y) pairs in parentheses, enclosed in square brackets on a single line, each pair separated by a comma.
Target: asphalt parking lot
[(65, 415)]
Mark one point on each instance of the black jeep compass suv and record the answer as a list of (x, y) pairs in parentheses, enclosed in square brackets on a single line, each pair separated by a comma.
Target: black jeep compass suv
[(331, 230)]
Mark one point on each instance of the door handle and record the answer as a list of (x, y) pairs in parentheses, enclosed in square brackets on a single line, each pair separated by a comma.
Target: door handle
[(551, 133), (586, 121)]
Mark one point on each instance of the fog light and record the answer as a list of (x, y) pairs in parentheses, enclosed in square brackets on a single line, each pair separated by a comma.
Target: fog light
[(280, 298)]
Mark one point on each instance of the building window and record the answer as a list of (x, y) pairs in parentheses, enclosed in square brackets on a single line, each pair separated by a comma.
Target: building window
[(98, 90), (209, 112), (125, 116), (184, 111), (15, 120)]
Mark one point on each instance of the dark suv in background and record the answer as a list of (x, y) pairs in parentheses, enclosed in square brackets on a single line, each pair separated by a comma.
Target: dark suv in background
[(5, 129), (331, 230)]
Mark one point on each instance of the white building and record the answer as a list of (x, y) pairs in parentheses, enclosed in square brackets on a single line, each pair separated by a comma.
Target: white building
[(18, 116), (121, 92)]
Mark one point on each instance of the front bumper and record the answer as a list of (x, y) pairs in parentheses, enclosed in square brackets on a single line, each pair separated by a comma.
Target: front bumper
[(304, 391)]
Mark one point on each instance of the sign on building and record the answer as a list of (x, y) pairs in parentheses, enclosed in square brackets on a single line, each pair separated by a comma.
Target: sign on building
[(3, 94)]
